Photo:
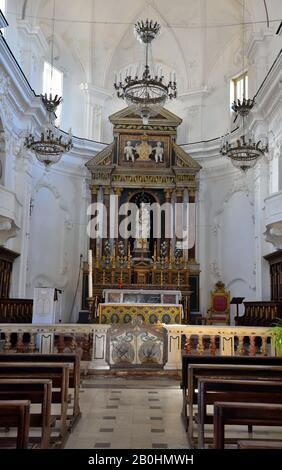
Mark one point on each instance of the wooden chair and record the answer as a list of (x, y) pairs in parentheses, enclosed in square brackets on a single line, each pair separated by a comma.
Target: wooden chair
[(219, 311)]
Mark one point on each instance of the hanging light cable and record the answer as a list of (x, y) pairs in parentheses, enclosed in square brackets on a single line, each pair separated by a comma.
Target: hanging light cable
[(51, 145)]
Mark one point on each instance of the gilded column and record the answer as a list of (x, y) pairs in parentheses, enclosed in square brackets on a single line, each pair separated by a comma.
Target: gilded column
[(106, 215), (192, 251), (118, 192), (179, 215), (168, 219)]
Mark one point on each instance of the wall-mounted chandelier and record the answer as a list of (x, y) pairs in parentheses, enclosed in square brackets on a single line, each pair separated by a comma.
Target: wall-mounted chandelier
[(146, 92), (51, 145)]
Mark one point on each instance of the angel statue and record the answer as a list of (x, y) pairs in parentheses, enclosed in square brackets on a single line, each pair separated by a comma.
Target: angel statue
[(159, 152), (129, 151)]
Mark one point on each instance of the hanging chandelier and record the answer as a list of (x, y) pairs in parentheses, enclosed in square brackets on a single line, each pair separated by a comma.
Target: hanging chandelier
[(243, 107), (244, 152), (51, 145), (147, 91)]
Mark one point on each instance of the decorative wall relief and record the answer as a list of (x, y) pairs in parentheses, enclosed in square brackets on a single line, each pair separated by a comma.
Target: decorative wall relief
[(144, 150)]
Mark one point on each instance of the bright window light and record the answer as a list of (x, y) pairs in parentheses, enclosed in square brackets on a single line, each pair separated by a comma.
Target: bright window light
[(3, 6), (53, 83), (239, 88)]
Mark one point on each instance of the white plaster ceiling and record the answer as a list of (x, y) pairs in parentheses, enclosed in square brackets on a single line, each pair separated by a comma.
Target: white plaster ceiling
[(99, 33)]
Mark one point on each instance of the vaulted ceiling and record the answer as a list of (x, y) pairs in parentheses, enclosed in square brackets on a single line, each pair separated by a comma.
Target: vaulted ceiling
[(99, 33)]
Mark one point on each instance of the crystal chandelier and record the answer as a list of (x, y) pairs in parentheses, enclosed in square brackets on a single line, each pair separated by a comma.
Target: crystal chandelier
[(51, 145), (146, 92)]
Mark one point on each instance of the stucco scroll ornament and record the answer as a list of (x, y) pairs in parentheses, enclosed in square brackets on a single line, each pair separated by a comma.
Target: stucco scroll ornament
[(215, 270), (4, 84)]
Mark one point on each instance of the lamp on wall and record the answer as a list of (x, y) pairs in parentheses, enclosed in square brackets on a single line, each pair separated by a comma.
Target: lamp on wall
[(51, 145), (245, 152)]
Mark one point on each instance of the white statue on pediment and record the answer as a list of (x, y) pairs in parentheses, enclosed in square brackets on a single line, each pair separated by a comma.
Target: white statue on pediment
[(159, 152), (129, 151)]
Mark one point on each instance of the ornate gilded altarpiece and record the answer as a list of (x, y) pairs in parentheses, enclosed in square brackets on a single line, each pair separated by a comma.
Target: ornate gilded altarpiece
[(143, 161)]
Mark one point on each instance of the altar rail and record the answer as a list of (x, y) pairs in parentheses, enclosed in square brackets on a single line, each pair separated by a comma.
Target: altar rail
[(16, 310), (92, 341)]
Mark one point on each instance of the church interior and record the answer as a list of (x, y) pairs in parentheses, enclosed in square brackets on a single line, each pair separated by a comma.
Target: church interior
[(141, 224)]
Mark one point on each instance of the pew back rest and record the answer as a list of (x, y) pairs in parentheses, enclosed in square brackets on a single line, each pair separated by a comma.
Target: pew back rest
[(259, 372), (68, 358), (16, 413), (232, 360), (244, 413), (58, 373)]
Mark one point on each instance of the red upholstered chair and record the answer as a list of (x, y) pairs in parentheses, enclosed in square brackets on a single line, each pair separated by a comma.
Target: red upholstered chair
[(219, 311)]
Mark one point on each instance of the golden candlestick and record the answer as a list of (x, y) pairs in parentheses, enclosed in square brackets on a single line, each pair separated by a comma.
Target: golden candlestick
[(97, 256), (128, 256), (114, 257), (155, 256)]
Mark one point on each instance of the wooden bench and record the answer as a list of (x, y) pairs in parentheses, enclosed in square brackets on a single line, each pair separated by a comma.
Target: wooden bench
[(259, 444), (195, 371), (257, 414), (219, 390), (74, 373), (243, 360), (223, 360), (15, 413), (37, 391), (58, 373)]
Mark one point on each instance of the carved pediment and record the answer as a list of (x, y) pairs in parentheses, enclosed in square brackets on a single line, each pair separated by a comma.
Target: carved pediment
[(184, 160), (127, 117), (102, 159)]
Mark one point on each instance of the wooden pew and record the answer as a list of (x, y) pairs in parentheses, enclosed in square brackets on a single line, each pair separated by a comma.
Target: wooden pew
[(257, 414), (15, 413), (37, 391), (218, 390), (58, 373), (259, 444), (195, 371), (223, 360), (74, 373)]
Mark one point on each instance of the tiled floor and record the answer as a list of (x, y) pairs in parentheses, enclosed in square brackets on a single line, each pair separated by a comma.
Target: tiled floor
[(120, 413), (129, 414)]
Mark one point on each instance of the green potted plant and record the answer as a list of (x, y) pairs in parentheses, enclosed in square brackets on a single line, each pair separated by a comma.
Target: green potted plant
[(276, 335)]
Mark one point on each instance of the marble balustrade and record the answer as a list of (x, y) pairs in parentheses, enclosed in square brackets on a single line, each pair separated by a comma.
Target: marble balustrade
[(92, 341)]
